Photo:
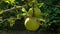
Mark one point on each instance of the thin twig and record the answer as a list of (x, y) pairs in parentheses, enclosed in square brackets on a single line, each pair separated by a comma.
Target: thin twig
[(52, 5), (14, 8), (33, 10)]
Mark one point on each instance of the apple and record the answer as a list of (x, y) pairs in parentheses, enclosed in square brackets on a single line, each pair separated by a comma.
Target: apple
[(37, 12), (31, 24)]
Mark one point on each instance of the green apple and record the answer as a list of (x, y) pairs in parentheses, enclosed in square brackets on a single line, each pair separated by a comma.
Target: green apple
[(31, 24), (37, 12)]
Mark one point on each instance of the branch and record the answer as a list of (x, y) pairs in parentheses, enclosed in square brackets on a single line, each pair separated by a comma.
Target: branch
[(52, 5), (14, 8)]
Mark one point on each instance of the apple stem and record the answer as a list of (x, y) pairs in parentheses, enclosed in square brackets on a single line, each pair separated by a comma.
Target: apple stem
[(33, 9)]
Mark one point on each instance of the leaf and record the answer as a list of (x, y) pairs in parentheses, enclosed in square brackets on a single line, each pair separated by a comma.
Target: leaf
[(40, 4), (43, 20), (9, 1), (46, 14), (30, 12), (11, 21), (18, 16), (24, 10), (22, 0), (1, 11), (57, 11), (24, 14)]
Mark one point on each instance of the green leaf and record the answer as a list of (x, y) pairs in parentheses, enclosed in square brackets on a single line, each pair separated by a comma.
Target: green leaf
[(1, 11), (40, 4), (11, 21), (43, 20), (24, 10), (18, 16), (9, 1), (30, 12)]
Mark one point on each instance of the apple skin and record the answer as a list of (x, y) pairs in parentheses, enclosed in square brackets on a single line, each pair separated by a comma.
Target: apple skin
[(37, 12), (31, 24)]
